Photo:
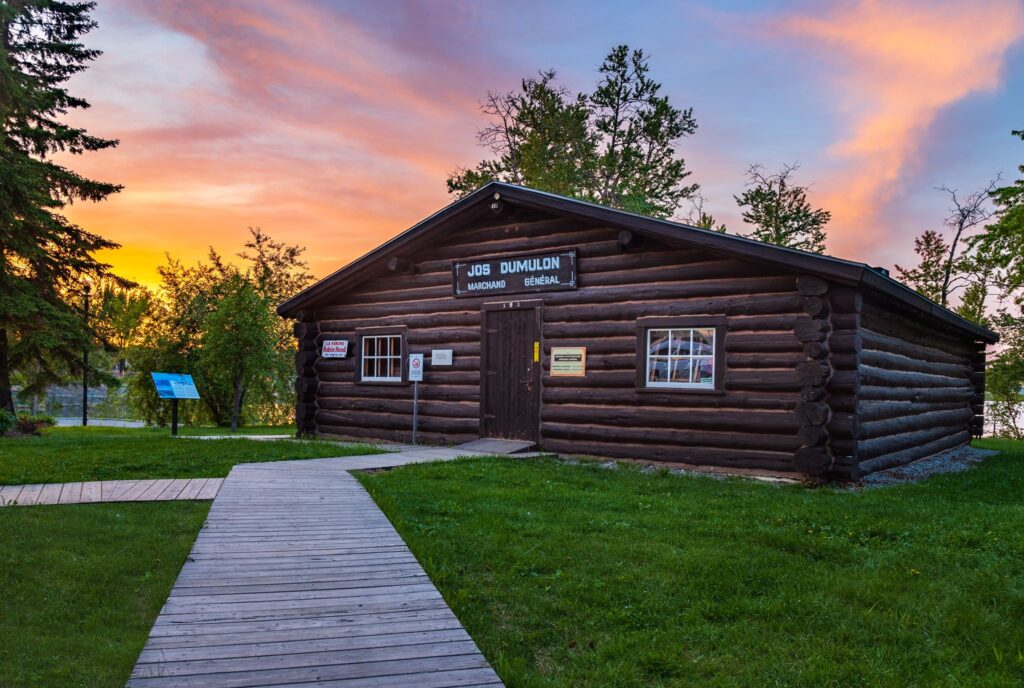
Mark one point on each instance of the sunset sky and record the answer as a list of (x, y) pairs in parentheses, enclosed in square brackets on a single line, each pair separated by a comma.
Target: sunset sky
[(334, 124)]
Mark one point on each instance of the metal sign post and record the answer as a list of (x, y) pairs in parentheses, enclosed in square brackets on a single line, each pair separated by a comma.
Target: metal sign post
[(415, 377)]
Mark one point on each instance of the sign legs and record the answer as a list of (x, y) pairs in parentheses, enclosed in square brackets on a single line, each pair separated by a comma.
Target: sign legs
[(174, 417)]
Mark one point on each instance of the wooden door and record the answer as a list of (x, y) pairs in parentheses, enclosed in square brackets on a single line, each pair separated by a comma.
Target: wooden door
[(510, 367)]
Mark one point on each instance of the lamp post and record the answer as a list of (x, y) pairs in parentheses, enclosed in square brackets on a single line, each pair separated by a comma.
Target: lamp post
[(85, 360)]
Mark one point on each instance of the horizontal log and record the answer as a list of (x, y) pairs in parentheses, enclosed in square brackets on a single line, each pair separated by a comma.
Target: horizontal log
[(742, 304), (915, 394), (892, 444), (844, 342), (812, 413), (427, 408), (590, 295), (815, 306), (603, 398), (845, 321), (883, 410), (842, 425), (942, 418), (846, 300), (334, 328), (897, 323), (810, 330), (882, 377), (894, 361), (749, 421), (395, 421), (814, 461), (816, 350), (394, 435), (812, 435), (914, 452), (881, 342), (444, 392), (675, 436), (701, 456), (813, 373), (808, 285)]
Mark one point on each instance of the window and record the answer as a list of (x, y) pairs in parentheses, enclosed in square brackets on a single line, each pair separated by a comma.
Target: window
[(381, 357), (675, 355)]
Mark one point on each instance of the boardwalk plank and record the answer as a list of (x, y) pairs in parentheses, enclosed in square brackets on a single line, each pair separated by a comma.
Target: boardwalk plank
[(298, 577)]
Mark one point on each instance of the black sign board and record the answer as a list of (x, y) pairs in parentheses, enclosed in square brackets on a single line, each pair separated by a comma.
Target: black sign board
[(532, 272)]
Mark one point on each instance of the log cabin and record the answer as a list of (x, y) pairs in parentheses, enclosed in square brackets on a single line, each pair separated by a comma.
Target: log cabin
[(582, 329)]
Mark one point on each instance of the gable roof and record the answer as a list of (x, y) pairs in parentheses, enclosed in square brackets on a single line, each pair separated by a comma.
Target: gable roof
[(834, 269)]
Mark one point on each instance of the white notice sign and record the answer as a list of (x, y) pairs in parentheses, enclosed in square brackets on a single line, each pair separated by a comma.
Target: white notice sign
[(334, 348), (415, 367), (441, 357)]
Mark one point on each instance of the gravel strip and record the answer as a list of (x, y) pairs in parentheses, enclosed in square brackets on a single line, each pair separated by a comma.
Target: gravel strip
[(950, 461)]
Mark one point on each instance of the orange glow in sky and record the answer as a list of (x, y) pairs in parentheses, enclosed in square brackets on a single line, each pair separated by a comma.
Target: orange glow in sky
[(334, 126)]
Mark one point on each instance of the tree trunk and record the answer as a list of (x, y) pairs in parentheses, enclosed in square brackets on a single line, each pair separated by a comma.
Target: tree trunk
[(6, 398), (236, 407)]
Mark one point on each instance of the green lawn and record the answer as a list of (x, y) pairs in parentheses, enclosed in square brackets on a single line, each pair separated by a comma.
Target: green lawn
[(80, 586), (75, 454), (574, 575)]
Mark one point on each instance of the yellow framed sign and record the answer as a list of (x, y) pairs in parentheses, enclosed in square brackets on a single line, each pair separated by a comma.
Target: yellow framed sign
[(568, 361)]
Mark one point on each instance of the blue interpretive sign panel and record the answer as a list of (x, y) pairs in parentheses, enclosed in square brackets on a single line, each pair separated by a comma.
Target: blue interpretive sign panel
[(175, 386)]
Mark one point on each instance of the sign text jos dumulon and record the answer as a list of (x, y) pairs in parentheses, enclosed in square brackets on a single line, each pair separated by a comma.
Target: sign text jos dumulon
[(515, 274)]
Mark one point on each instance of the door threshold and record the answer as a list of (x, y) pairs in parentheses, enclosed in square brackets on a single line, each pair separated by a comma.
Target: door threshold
[(492, 445)]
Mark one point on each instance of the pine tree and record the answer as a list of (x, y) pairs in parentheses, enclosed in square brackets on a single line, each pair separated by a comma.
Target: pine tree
[(780, 211), (43, 256), (615, 146), (929, 275)]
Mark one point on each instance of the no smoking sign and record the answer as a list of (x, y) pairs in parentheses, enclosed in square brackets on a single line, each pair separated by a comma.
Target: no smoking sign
[(415, 367)]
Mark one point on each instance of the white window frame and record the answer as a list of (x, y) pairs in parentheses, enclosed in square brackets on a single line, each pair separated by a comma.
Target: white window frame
[(671, 358), (376, 357)]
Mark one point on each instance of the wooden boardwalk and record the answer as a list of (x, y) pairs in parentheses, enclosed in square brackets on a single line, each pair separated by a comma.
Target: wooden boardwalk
[(298, 578), (110, 491)]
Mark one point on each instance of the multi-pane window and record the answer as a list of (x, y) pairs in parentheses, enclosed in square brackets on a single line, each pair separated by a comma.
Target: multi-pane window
[(681, 357), (381, 358)]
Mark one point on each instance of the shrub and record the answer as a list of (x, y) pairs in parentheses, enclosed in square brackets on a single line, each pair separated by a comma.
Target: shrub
[(6, 421), (31, 425)]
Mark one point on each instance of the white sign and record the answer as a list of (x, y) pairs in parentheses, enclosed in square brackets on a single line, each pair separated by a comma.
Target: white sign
[(415, 367), (441, 357), (334, 348)]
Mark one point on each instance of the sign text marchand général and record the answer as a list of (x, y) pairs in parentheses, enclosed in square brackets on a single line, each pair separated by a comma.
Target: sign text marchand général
[(515, 274)]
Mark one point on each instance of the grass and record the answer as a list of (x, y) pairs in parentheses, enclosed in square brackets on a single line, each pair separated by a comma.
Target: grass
[(583, 576), (95, 453), (81, 586)]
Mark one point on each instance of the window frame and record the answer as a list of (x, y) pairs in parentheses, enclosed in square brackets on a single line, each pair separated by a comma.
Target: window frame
[(399, 331), (708, 322)]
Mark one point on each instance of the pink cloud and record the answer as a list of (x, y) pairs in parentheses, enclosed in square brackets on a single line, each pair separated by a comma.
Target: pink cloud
[(897, 65)]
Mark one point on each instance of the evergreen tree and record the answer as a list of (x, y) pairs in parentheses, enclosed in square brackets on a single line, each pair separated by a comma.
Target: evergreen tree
[(615, 146), (43, 256), (780, 211), (929, 275)]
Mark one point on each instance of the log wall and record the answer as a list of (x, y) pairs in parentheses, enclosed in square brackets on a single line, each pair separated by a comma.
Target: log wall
[(920, 388), (751, 423)]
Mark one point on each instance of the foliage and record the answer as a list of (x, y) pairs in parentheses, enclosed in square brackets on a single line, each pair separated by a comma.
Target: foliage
[(189, 329), (699, 217), (82, 586), (928, 276), (7, 420), (1002, 242), (27, 424), (576, 575), (236, 347), (945, 267), (780, 212), (44, 257), (74, 454), (615, 146)]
